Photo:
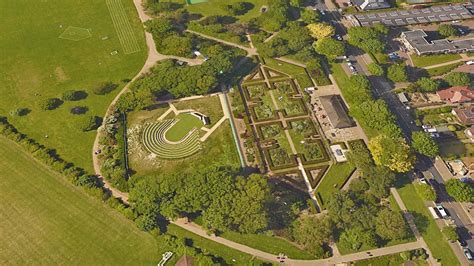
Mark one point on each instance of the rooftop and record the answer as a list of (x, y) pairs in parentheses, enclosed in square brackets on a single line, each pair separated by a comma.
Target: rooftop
[(414, 16), (458, 94), (371, 4), (419, 42), (335, 111)]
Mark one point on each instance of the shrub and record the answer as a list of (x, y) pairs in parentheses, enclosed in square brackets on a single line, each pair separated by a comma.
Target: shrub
[(79, 110), (50, 104), (104, 88), (458, 79), (375, 69), (450, 233), (460, 191), (72, 95), (90, 123), (19, 112), (397, 73)]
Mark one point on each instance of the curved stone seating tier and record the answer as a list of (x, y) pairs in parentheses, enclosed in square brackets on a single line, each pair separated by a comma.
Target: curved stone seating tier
[(153, 138)]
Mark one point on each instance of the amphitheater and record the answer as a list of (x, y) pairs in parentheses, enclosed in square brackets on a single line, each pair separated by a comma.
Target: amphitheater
[(153, 139)]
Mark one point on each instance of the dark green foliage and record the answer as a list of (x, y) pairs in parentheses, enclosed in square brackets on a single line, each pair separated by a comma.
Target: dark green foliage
[(292, 39), (312, 233), (375, 69), (423, 143), (224, 200), (460, 191), (276, 16), (72, 95), (428, 85), (355, 237), (447, 30), (309, 16), (330, 47), (458, 79), (50, 104), (367, 39), (397, 73), (390, 225), (89, 123), (104, 88), (79, 110), (450, 233), (20, 112), (156, 7)]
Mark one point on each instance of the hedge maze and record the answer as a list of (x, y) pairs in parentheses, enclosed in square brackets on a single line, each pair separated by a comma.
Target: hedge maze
[(153, 139)]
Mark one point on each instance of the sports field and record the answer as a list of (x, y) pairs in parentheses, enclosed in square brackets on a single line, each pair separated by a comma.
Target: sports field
[(45, 220), (52, 46)]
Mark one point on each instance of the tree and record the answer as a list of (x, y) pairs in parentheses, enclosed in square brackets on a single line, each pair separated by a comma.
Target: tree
[(397, 73), (340, 206), (447, 30), (79, 110), (159, 26), (104, 88), (19, 112), (312, 232), (89, 123), (309, 16), (277, 15), (460, 191), (329, 47), (366, 38), (392, 153), (390, 225), (321, 30), (450, 233), (50, 104), (176, 45), (375, 69), (427, 84), (353, 238), (423, 143), (72, 95), (426, 192), (458, 79)]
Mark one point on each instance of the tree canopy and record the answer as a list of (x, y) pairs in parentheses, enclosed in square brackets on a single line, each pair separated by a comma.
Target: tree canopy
[(392, 153), (460, 191), (321, 30), (330, 47), (458, 79), (397, 73), (367, 39), (423, 143), (447, 30)]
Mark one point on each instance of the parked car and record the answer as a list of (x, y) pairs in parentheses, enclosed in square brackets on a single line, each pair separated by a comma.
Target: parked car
[(465, 179), (433, 183), (467, 253), (322, 12), (471, 62), (442, 211), (423, 181), (418, 174), (338, 37), (461, 31), (434, 135), (425, 127)]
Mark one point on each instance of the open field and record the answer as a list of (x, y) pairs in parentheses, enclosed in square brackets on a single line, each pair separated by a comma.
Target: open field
[(186, 123), (215, 8), (333, 180), (429, 60), (37, 64), (426, 225), (45, 220)]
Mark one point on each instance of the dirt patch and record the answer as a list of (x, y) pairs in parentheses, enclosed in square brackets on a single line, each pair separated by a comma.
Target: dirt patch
[(60, 74)]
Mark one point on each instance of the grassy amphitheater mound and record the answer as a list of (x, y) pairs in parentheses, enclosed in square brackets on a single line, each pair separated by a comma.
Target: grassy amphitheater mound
[(153, 139)]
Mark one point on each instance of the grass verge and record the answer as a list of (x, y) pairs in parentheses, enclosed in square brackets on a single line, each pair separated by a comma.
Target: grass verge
[(429, 60), (334, 179)]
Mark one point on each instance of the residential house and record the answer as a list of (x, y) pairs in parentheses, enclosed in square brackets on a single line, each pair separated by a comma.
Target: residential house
[(458, 94), (464, 115), (470, 133)]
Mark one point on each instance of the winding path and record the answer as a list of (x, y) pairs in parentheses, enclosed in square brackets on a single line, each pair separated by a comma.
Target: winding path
[(153, 57)]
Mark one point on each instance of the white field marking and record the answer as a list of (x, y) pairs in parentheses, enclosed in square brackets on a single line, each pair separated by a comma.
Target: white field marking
[(66, 36), (122, 26), (165, 114)]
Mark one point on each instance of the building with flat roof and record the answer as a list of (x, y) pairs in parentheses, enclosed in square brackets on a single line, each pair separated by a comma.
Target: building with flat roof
[(416, 41), (371, 4), (413, 16), (336, 111)]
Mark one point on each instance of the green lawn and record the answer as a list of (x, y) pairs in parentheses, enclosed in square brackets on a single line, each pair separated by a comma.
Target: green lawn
[(215, 7), (429, 60), (270, 244), (335, 177), (36, 64), (438, 71), (295, 71), (45, 220), (388, 260), (209, 106), (427, 226), (186, 123)]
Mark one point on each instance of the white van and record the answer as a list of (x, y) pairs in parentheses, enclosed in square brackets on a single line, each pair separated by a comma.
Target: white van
[(433, 213)]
